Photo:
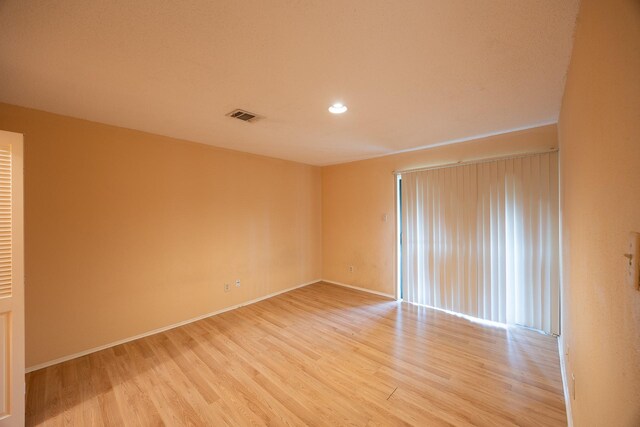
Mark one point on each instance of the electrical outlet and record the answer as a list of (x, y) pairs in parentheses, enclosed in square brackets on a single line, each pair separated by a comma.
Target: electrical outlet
[(351, 269), (238, 283), (227, 287)]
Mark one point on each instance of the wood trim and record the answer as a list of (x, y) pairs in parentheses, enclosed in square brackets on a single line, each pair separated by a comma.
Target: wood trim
[(164, 328), (357, 288)]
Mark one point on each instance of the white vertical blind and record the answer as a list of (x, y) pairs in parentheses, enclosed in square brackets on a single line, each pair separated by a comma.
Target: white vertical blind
[(482, 239), (5, 222)]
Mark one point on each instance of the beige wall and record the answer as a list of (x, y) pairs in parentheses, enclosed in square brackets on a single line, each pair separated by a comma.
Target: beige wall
[(355, 196), (599, 133), (127, 231)]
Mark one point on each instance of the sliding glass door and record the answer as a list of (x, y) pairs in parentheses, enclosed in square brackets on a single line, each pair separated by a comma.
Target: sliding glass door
[(482, 239)]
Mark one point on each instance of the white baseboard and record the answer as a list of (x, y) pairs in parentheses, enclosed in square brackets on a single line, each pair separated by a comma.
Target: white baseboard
[(162, 329), (357, 288), (565, 381)]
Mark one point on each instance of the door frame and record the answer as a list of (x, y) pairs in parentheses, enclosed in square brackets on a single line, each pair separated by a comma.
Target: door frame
[(15, 339)]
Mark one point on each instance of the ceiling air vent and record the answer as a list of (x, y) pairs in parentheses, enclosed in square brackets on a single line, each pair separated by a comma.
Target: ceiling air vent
[(243, 115)]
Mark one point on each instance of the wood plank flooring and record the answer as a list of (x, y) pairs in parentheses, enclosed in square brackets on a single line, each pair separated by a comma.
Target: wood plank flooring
[(318, 355)]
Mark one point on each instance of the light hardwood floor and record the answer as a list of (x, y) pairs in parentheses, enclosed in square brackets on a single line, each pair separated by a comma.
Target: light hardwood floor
[(319, 355)]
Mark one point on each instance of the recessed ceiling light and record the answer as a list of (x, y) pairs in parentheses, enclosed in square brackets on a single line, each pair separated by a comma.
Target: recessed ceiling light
[(337, 108)]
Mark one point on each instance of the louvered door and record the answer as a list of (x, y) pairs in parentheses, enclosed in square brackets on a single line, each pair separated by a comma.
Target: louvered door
[(11, 282)]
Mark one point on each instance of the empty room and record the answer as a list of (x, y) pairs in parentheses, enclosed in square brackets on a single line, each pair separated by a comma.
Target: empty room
[(291, 212)]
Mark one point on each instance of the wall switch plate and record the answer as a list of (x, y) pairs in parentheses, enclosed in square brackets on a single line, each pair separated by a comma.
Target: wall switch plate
[(238, 283), (351, 269), (227, 287), (632, 255)]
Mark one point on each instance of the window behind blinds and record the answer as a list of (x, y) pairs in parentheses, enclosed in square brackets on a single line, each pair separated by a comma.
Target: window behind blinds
[(482, 239)]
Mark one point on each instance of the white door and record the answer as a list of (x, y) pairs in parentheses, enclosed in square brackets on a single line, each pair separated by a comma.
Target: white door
[(12, 387)]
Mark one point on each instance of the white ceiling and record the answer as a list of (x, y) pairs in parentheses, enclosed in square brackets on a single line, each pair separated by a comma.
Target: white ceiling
[(413, 73)]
